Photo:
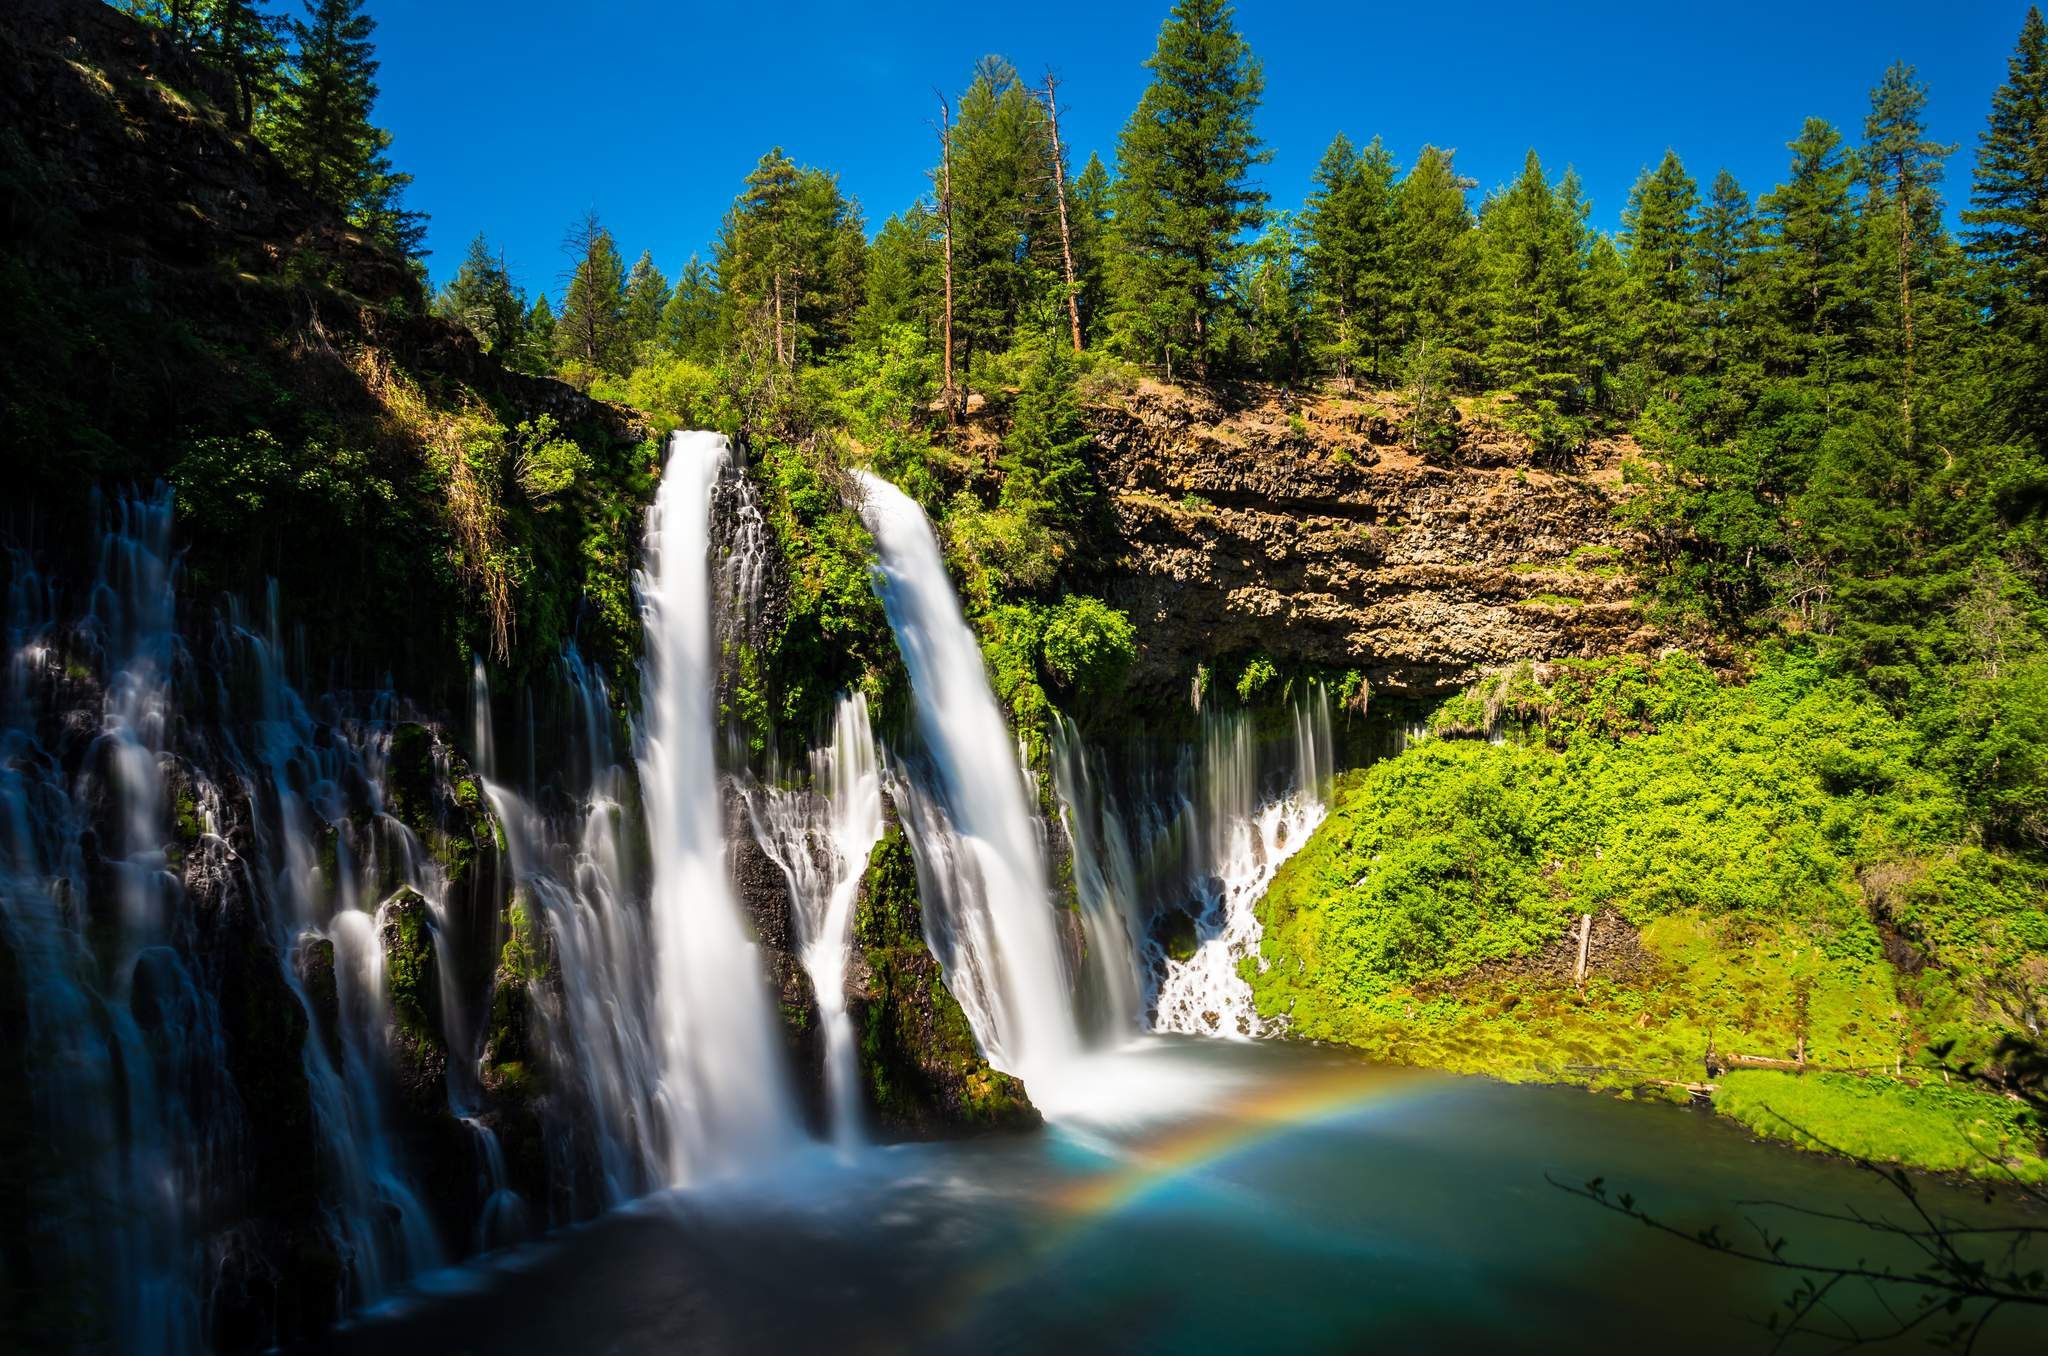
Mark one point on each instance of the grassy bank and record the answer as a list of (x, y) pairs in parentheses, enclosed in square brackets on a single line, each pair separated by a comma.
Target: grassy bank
[(1776, 869)]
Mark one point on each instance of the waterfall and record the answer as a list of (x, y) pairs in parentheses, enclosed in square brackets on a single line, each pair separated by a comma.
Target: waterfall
[(724, 1090), (993, 927), (1246, 831), (821, 837), (124, 1083), (297, 773), (1105, 881), (600, 1027)]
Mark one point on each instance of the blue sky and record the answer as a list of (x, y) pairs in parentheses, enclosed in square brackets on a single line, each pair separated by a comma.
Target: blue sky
[(517, 115)]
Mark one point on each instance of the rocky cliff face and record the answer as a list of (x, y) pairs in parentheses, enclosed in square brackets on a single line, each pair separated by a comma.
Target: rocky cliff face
[(1305, 529)]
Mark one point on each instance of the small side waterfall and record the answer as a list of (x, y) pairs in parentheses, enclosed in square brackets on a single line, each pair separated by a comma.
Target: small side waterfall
[(966, 808), (571, 866), (124, 1086), (1246, 831), (821, 836), (1105, 881), (724, 1088)]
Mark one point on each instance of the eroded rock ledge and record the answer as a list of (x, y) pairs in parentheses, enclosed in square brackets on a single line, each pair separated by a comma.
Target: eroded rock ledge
[(1303, 527)]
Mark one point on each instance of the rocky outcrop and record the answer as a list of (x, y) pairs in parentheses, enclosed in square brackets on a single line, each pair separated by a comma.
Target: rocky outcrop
[(919, 1064), (1304, 528)]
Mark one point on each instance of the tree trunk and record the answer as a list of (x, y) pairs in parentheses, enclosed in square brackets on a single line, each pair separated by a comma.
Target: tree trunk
[(1906, 303), (778, 315), (946, 225), (1059, 183)]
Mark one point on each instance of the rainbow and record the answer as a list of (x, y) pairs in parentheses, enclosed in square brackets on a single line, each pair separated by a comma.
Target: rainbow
[(1263, 1112)]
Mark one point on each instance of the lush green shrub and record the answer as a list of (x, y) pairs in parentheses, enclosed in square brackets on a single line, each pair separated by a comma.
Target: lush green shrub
[(1088, 646)]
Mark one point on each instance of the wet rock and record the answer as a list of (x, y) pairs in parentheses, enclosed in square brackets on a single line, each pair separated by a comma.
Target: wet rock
[(919, 1065), (763, 893)]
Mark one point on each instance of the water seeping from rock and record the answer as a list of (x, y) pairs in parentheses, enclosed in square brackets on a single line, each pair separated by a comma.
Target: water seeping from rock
[(124, 1069), (1106, 884), (189, 878), (965, 806), (821, 836), (1248, 823), (572, 879), (724, 1089)]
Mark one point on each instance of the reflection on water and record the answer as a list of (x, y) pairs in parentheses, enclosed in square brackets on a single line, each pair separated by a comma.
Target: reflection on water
[(1313, 1203)]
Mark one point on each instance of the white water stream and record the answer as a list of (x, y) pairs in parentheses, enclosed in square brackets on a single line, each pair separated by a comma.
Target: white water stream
[(821, 836), (724, 1089), (967, 810)]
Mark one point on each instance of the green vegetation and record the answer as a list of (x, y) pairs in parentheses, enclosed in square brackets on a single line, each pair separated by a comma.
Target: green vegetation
[(1780, 870), (1841, 410), (410, 984), (1928, 1125)]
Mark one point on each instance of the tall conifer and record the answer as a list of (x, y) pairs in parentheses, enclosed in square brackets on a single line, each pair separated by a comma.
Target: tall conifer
[(1185, 198)]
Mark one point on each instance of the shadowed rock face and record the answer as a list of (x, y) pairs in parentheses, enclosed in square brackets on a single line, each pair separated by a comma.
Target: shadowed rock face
[(1312, 533)]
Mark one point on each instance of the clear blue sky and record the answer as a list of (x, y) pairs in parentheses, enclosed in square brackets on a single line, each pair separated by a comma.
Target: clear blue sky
[(517, 115)]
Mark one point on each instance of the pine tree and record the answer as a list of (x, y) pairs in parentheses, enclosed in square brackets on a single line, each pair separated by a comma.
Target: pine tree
[(1352, 273), (1542, 318), (1184, 196), (1093, 226), (1004, 218), (536, 349), (1902, 225), (248, 41), (1274, 304), (790, 260), (1663, 299), (2008, 231), (322, 131), (689, 320), (481, 296), (646, 295), (591, 330), (902, 284), (1811, 245), (1725, 246), (1436, 256), (1044, 459)]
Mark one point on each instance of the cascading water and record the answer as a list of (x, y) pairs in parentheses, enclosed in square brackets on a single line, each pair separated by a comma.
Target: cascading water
[(600, 1025), (1105, 882), (821, 837), (122, 1039), (1245, 836), (966, 809), (724, 1090), (294, 775), (207, 824)]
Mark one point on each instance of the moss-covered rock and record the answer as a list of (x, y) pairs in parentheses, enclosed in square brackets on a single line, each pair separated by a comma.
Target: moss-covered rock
[(412, 988), (431, 789), (514, 1071), (919, 1065)]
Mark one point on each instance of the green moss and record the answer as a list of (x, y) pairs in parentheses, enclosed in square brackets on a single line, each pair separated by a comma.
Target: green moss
[(187, 812), (512, 1061), (1886, 1120), (1759, 841), (887, 912), (411, 984), (918, 1057)]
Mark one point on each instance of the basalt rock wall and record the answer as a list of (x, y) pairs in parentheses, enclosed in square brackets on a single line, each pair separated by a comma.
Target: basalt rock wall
[(1305, 528)]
